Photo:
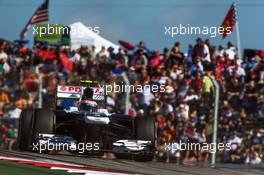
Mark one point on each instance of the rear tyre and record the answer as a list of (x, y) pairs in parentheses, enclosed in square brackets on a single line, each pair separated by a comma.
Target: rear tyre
[(44, 121), (25, 129), (145, 130)]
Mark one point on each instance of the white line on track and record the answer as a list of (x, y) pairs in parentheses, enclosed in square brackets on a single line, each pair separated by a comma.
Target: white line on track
[(70, 168)]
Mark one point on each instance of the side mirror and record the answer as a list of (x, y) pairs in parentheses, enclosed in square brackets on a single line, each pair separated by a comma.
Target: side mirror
[(104, 111), (73, 108)]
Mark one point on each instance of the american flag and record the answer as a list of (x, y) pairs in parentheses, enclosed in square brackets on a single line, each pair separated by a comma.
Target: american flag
[(41, 15)]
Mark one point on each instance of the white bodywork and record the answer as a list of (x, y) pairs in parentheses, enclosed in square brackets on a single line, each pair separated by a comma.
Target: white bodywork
[(133, 145), (75, 92)]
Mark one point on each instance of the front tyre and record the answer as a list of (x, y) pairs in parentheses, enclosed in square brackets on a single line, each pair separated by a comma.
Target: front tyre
[(25, 129), (145, 130)]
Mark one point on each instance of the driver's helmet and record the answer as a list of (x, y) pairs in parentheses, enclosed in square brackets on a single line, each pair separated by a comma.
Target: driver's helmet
[(87, 102)]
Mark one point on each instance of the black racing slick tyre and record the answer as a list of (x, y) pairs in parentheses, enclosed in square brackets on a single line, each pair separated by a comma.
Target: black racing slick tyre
[(145, 130), (25, 129), (44, 121)]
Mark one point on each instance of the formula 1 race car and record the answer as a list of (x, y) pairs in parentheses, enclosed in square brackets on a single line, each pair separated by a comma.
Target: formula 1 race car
[(81, 118)]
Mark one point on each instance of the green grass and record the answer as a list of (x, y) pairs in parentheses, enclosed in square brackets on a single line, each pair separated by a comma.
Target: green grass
[(12, 168)]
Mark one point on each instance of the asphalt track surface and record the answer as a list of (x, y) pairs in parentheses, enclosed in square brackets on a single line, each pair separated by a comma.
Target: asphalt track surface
[(130, 166)]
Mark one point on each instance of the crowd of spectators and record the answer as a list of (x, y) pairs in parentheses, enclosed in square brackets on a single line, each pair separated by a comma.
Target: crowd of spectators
[(184, 111)]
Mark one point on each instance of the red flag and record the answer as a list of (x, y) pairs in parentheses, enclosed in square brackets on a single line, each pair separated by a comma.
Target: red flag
[(229, 21), (67, 63), (127, 45), (261, 53), (46, 54)]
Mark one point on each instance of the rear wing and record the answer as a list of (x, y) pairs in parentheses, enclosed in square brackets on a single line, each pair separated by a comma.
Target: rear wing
[(75, 92)]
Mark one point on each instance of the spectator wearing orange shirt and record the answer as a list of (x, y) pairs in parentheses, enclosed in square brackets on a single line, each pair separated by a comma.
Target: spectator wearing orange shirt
[(21, 103), (4, 98)]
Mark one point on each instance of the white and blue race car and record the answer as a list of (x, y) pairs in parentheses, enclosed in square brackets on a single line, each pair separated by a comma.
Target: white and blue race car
[(78, 119)]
